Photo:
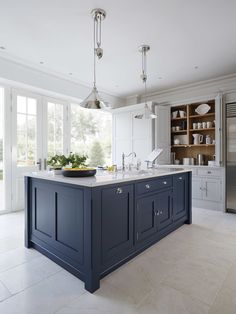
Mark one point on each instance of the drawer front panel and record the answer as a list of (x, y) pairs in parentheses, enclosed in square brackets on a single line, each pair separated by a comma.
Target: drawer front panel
[(209, 172), (153, 185)]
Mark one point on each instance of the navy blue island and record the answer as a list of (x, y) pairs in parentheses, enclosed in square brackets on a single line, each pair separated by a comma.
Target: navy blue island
[(91, 226)]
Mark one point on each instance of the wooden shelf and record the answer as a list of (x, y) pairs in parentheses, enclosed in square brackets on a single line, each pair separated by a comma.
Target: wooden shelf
[(199, 130), (190, 150), (180, 131), (179, 118), (211, 114), (193, 145), (201, 145)]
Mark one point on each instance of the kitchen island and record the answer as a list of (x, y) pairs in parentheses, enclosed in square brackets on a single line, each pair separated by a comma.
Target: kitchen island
[(91, 226)]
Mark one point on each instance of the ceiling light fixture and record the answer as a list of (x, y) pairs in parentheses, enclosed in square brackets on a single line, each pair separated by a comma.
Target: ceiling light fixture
[(148, 114), (93, 101)]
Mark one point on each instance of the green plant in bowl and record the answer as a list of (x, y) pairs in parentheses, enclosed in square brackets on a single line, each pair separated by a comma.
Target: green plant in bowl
[(57, 162), (77, 161)]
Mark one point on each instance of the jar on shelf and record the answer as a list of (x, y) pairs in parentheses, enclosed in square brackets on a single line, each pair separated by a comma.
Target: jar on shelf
[(208, 139)]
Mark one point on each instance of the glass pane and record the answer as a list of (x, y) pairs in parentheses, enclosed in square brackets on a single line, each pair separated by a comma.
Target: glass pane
[(32, 106), (2, 189), (91, 134), (21, 104), (26, 134), (55, 129)]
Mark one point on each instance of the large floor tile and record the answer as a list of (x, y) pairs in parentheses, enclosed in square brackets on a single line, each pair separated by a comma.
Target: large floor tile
[(4, 292), (167, 300), (225, 302), (107, 300), (23, 276), (46, 297), (10, 243), (16, 257), (197, 278)]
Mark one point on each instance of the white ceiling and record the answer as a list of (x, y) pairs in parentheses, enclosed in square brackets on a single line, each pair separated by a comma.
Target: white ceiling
[(182, 34)]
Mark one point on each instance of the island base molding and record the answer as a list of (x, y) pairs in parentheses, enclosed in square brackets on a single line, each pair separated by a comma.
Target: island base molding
[(92, 231)]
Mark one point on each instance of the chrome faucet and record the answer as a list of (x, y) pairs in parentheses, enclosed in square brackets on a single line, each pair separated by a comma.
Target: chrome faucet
[(123, 158)]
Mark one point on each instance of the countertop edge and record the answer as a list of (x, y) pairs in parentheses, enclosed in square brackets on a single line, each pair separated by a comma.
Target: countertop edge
[(78, 181)]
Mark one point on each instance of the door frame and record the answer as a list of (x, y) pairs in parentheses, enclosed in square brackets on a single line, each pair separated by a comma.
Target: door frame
[(39, 138)]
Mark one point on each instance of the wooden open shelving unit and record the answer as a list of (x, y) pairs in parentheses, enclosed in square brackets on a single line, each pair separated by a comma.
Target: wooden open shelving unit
[(186, 147)]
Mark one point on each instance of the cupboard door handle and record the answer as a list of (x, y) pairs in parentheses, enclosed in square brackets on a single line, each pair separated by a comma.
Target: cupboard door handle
[(147, 186), (164, 182), (157, 213), (119, 191)]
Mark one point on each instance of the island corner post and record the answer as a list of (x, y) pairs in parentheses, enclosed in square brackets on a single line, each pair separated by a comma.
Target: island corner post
[(91, 231)]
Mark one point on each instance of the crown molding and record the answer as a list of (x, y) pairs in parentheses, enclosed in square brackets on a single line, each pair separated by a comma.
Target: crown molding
[(195, 91), (58, 75)]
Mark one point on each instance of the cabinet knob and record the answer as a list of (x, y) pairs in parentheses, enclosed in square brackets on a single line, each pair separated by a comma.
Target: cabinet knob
[(119, 191), (164, 182), (161, 212), (157, 213), (209, 172), (147, 186), (180, 178)]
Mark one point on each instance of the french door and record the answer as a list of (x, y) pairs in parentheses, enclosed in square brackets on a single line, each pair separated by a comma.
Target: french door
[(38, 131)]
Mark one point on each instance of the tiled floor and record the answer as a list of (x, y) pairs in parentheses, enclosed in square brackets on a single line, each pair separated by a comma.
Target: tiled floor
[(192, 271)]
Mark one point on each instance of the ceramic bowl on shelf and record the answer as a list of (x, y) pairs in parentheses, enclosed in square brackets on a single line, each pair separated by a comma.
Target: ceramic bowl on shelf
[(202, 109)]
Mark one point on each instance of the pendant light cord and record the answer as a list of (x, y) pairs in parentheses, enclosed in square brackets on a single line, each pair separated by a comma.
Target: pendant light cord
[(144, 74), (94, 52)]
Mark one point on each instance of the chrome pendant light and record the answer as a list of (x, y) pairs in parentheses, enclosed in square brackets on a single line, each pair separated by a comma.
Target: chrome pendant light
[(94, 101), (148, 114)]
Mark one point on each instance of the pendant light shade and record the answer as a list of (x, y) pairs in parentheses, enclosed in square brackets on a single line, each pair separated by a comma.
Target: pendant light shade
[(148, 114), (94, 101)]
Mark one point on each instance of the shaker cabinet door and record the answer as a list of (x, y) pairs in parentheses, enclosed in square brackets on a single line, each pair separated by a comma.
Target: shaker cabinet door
[(180, 194), (145, 218), (116, 222), (212, 190), (197, 188), (164, 209)]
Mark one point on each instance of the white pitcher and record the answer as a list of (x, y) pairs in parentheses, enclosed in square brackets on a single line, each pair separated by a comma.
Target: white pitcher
[(197, 139)]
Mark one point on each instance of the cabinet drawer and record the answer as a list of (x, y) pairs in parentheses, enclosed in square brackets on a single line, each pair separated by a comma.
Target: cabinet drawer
[(151, 186), (209, 172)]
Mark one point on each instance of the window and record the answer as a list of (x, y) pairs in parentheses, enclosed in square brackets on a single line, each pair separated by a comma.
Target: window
[(91, 134), (26, 131), (2, 192), (55, 129)]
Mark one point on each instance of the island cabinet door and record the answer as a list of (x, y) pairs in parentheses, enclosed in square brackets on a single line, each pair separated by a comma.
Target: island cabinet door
[(180, 196), (117, 223), (57, 219), (164, 209), (146, 225)]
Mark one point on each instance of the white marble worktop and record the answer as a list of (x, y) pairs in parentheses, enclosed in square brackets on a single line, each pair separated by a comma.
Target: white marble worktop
[(105, 177)]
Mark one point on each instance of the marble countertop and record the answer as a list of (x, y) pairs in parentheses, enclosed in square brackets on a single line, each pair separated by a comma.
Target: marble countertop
[(105, 178), (191, 166)]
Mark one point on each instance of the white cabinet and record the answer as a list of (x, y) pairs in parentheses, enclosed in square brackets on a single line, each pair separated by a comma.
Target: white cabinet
[(162, 132), (140, 135), (212, 190), (207, 189), (131, 134), (197, 188)]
